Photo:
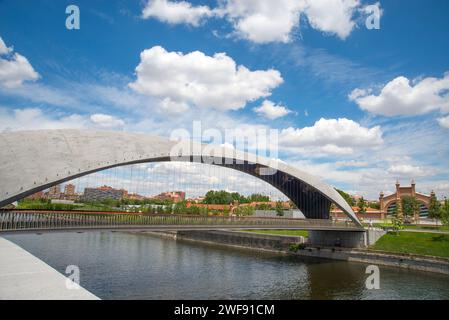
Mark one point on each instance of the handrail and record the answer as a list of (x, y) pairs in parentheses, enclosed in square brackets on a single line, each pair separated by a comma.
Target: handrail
[(30, 220)]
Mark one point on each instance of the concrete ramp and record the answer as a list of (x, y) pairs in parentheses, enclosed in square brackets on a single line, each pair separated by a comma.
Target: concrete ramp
[(25, 277)]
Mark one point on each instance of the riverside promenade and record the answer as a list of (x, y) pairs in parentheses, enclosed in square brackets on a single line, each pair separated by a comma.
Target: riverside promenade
[(25, 277)]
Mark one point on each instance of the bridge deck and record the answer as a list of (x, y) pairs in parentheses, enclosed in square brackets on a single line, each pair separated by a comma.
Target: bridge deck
[(138, 228), (49, 220)]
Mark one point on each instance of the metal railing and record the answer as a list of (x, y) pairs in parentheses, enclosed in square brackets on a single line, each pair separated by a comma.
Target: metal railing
[(42, 220)]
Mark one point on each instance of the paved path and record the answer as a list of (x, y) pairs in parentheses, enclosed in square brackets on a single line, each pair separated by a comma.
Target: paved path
[(426, 231), (25, 277)]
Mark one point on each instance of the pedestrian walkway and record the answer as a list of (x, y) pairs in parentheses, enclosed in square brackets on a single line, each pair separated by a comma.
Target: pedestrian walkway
[(26, 277)]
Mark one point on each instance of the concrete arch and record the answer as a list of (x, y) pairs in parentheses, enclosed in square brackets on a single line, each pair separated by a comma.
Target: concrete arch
[(31, 161)]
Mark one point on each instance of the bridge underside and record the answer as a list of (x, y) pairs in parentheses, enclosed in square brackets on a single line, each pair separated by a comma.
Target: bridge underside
[(312, 203)]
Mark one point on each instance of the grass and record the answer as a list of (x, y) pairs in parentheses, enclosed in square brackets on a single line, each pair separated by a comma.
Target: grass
[(429, 228), (293, 233), (430, 244)]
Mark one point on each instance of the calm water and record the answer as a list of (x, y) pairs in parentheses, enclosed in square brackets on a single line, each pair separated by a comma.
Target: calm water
[(117, 265)]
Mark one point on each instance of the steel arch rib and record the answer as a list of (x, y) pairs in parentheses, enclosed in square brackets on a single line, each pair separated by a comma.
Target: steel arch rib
[(31, 161)]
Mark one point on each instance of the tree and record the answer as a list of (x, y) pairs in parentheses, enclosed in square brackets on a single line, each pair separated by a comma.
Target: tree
[(180, 207), (346, 196), (410, 206), (244, 210), (398, 223), (264, 206), (374, 205), (444, 213), (279, 209), (361, 205), (257, 197), (434, 208)]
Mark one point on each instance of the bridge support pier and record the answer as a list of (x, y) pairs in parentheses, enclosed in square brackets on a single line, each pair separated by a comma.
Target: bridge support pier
[(345, 239)]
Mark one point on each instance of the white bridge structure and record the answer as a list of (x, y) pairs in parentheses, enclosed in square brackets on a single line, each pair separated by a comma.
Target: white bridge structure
[(31, 161)]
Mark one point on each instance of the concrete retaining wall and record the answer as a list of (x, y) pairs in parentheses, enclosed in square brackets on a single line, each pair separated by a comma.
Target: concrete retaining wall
[(372, 235), (281, 245), (244, 239), (343, 239)]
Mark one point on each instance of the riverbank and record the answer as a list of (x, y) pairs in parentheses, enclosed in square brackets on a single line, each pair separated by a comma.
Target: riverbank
[(296, 246)]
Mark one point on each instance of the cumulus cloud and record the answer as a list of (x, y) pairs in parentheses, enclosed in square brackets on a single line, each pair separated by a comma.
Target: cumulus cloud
[(36, 119), (404, 97), (332, 136), (176, 12), (14, 68), (3, 48), (407, 170), (204, 81), (106, 121), (444, 122), (263, 21), (334, 17), (270, 110), (171, 107)]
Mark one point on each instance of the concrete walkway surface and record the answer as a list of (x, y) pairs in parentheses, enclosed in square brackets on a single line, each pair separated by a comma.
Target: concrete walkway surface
[(26, 277)]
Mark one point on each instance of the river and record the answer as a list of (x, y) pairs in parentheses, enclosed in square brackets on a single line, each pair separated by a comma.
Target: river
[(118, 265)]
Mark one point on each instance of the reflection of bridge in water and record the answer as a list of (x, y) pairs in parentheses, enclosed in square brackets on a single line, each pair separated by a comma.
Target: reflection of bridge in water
[(32, 220)]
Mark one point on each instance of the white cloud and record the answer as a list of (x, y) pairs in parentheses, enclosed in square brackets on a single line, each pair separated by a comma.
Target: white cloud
[(332, 136), (332, 16), (171, 107), (3, 48), (444, 122), (407, 170), (351, 163), (106, 121), (176, 12), (264, 21), (204, 81), (270, 110), (36, 119), (404, 97), (14, 68), (336, 150)]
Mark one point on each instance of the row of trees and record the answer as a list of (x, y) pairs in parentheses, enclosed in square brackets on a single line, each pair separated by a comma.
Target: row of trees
[(361, 203), (347, 197), (409, 207), (224, 197), (439, 211)]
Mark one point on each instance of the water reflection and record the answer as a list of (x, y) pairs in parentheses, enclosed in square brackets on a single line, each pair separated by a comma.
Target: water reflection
[(116, 265)]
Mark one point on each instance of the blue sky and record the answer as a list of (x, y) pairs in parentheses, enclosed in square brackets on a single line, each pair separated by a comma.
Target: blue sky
[(360, 108)]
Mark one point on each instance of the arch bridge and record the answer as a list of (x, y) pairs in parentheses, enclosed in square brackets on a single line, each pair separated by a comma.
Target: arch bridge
[(32, 161)]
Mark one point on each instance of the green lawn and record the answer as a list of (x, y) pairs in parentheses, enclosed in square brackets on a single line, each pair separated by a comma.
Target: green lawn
[(431, 244), (429, 228), (294, 233)]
